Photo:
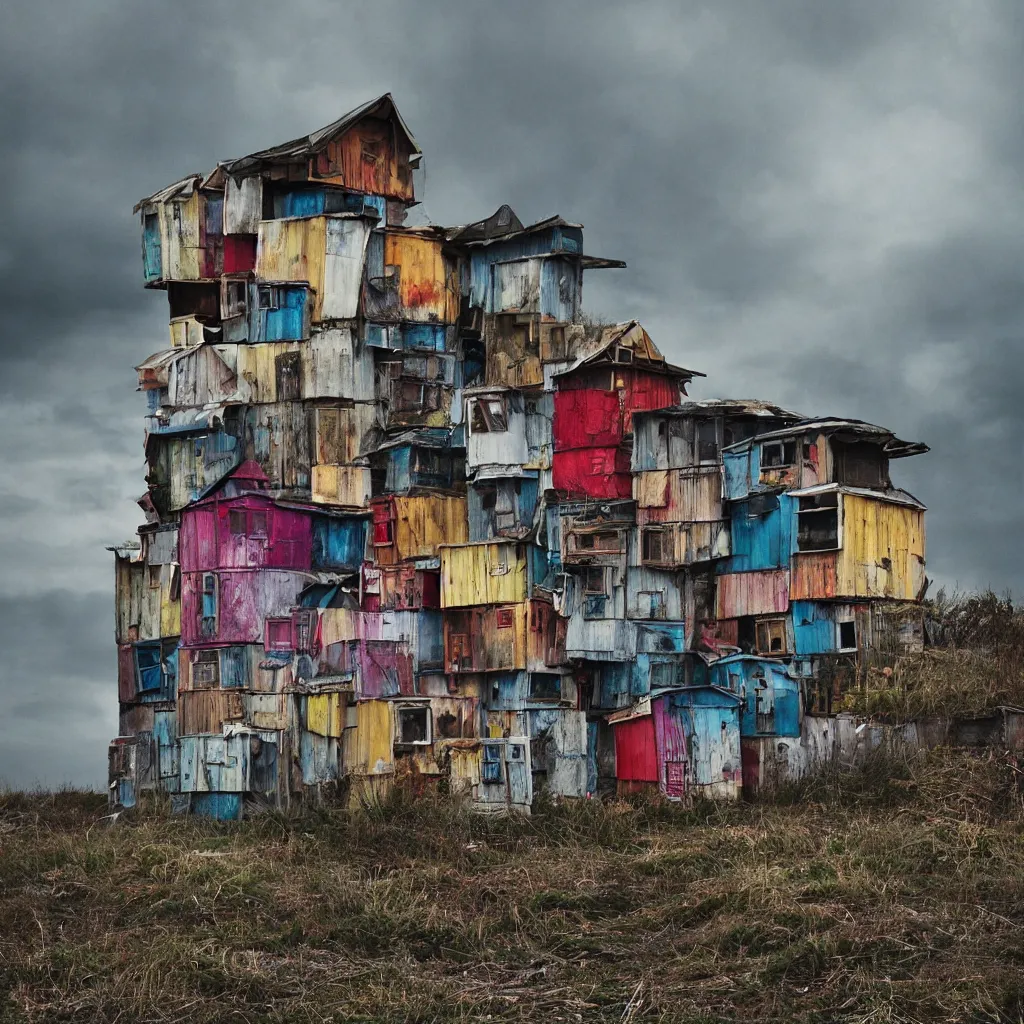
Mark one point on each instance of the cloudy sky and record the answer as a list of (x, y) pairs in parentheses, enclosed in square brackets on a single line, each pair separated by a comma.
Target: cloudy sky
[(820, 204)]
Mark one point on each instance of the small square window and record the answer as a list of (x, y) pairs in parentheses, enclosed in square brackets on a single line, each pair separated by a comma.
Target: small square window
[(279, 634), (414, 726), (771, 636), (236, 521), (504, 617), (206, 669), (545, 686), (487, 415), (594, 580)]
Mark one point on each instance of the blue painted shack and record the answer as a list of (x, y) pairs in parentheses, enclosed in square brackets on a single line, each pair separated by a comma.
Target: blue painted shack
[(771, 697)]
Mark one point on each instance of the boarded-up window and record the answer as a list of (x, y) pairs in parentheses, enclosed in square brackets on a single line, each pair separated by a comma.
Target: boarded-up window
[(289, 377), (667, 673), (279, 634), (504, 618), (651, 604), (329, 438), (595, 580), (461, 657), (771, 636), (818, 523), (656, 546)]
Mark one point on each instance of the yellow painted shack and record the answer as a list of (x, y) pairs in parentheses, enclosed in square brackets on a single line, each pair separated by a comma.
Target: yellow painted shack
[(488, 572), (415, 526), (327, 252), (425, 281), (857, 544)]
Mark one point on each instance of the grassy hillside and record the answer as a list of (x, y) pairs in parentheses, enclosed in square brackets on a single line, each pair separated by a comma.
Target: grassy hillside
[(864, 899)]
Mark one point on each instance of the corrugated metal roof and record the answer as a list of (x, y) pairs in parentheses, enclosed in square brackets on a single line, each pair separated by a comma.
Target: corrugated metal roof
[(862, 431), (182, 189)]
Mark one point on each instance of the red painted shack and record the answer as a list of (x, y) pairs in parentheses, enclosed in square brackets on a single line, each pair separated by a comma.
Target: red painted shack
[(617, 372)]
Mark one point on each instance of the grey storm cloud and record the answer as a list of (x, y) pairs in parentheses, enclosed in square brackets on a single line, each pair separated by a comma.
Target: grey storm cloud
[(820, 204)]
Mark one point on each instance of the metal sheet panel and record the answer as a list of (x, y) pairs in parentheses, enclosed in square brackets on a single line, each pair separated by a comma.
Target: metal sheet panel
[(751, 593), (346, 240), (243, 205), (478, 574)]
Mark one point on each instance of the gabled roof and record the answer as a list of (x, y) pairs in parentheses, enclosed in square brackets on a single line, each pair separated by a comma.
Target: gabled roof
[(503, 225), (598, 341), (183, 189), (308, 145), (856, 430)]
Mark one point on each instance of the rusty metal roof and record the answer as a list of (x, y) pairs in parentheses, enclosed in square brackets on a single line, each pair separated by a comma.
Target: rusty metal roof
[(308, 145), (894, 447)]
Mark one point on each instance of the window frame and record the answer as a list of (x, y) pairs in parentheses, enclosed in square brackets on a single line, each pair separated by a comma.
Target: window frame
[(209, 656), (804, 515), (278, 622), (405, 710), (489, 420), (767, 627), (839, 636), (783, 445)]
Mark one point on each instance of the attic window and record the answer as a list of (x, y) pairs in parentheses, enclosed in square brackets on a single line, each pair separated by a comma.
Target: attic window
[(818, 523), (623, 355), (771, 636), (487, 416), (777, 454), (847, 635)]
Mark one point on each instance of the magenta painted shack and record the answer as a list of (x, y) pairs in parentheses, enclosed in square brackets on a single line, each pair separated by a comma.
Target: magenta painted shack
[(240, 527), (229, 606)]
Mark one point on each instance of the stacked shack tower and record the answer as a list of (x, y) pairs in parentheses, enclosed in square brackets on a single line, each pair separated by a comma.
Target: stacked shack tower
[(410, 521)]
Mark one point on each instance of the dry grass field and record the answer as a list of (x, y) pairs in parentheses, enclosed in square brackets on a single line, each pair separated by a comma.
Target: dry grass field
[(895, 893)]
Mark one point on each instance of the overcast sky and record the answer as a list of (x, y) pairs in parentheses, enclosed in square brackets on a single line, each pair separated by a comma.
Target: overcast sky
[(819, 203)]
